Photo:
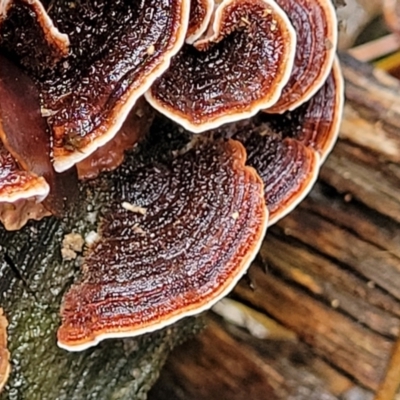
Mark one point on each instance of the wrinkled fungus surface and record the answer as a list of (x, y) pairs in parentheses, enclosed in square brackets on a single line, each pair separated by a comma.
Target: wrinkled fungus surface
[(182, 229), (236, 70), (184, 234), (315, 123), (316, 30), (287, 167), (116, 50), (200, 15)]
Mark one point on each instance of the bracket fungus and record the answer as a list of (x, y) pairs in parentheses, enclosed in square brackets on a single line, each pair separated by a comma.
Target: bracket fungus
[(183, 239), (258, 77), (238, 68)]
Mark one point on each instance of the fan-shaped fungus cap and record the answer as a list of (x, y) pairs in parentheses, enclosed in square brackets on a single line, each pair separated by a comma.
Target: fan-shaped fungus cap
[(88, 94), (316, 123), (287, 167), (177, 240), (316, 28), (4, 353), (288, 149), (21, 193), (237, 69)]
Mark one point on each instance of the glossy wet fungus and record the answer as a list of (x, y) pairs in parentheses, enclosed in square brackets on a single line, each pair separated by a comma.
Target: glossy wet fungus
[(237, 69), (258, 77), (184, 240)]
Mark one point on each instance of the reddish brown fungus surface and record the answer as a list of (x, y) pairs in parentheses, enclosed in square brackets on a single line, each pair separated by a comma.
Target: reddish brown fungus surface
[(4, 353), (25, 135), (232, 73), (111, 155), (116, 50), (315, 24), (114, 58), (26, 28), (287, 167), (177, 239), (20, 192), (200, 15), (316, 122), (286, 149), (16, 183)]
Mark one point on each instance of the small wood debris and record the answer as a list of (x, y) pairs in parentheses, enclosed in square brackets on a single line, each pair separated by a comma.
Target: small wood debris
[(132, 208), (137, 229), (71, 245), (91, 237), (150, 50), (4, 353)]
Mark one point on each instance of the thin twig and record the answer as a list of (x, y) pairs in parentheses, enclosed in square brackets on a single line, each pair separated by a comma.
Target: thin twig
[(391, 380), (376, 48)]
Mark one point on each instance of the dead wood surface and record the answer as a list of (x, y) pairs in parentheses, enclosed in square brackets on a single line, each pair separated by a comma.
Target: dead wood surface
[(329, 272)]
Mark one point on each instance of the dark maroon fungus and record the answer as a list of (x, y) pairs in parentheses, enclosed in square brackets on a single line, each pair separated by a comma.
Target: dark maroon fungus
[(258, 77), (316, 30), (238, 68), (116, 50), (183, 240)]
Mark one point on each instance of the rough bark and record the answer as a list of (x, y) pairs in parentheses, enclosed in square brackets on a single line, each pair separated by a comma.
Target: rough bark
[(329, 272)]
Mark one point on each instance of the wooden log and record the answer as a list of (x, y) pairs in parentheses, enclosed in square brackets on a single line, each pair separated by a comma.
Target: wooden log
[(329, 272)]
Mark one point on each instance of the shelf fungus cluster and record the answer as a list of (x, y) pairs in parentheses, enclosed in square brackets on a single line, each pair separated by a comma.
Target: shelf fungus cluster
[(256, 84)]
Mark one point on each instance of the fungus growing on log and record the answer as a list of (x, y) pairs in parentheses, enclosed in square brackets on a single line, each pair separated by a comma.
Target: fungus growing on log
[(315, 24), (178, 234), (176, 240), (316, 123), (287, 150), (4, 353), (237, 69)]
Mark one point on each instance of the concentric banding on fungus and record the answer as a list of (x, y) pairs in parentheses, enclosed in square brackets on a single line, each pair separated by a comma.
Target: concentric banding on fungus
[(5, 367), (27, 30), (200, 15), (240, 68), (177, 240), (315, 24), (288, 149), (316, 123), (287, 167), (108, 69)]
